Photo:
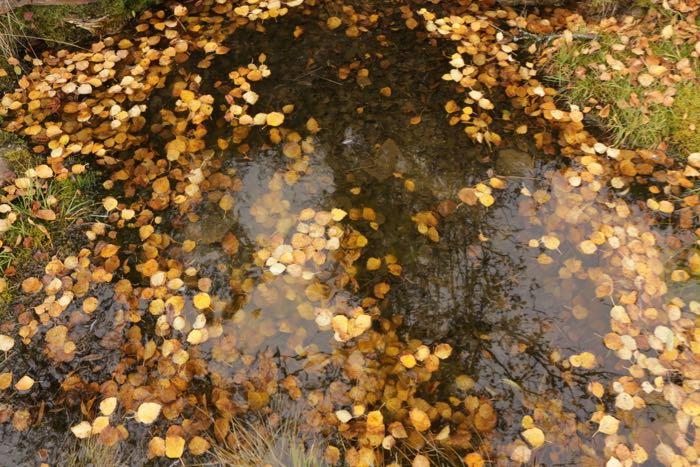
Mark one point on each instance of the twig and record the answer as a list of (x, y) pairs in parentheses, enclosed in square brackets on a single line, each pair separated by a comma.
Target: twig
[(546, 38)]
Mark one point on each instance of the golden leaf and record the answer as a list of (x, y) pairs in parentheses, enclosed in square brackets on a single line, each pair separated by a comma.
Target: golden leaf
[(82, 430), (274, 118), (174, 446), (6, 343), (202, 301), (25, 383), (608, 425), (534, 436), (198, 446), (419, 419), (148, 412)]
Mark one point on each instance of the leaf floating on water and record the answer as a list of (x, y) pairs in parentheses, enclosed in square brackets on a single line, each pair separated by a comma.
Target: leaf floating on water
[(226, 202), (534, 436), (373, 264), (277, 269), (521, 454), (202, 301), (274, 118), (608, 425), (624, 401), (584, 360), (550, 242), (588, 247), (338, 214), (443, 351)]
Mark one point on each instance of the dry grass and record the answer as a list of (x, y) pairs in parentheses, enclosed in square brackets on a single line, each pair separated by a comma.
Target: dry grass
[(264, 442), (10, 33), (91, 452)]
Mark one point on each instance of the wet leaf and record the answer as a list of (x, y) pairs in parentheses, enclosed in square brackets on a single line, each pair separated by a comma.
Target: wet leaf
[(333, 22), (31, 285), (275, 118), (202, 301), (443, 351), (608, 425), (108, 405), (534, 436), (5, 380), (343, 416)]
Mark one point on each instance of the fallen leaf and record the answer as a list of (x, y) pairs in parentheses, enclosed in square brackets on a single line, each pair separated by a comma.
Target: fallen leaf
[(148, 412)]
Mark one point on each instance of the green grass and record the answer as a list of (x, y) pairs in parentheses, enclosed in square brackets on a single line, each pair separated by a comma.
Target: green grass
[(67, 198), (70, 198), (574, 70)]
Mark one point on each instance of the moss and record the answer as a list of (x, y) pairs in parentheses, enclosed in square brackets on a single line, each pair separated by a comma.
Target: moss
[(7, 75), (6, 298), (7, 139), (685, 119), (14, 152), (74, 23)]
